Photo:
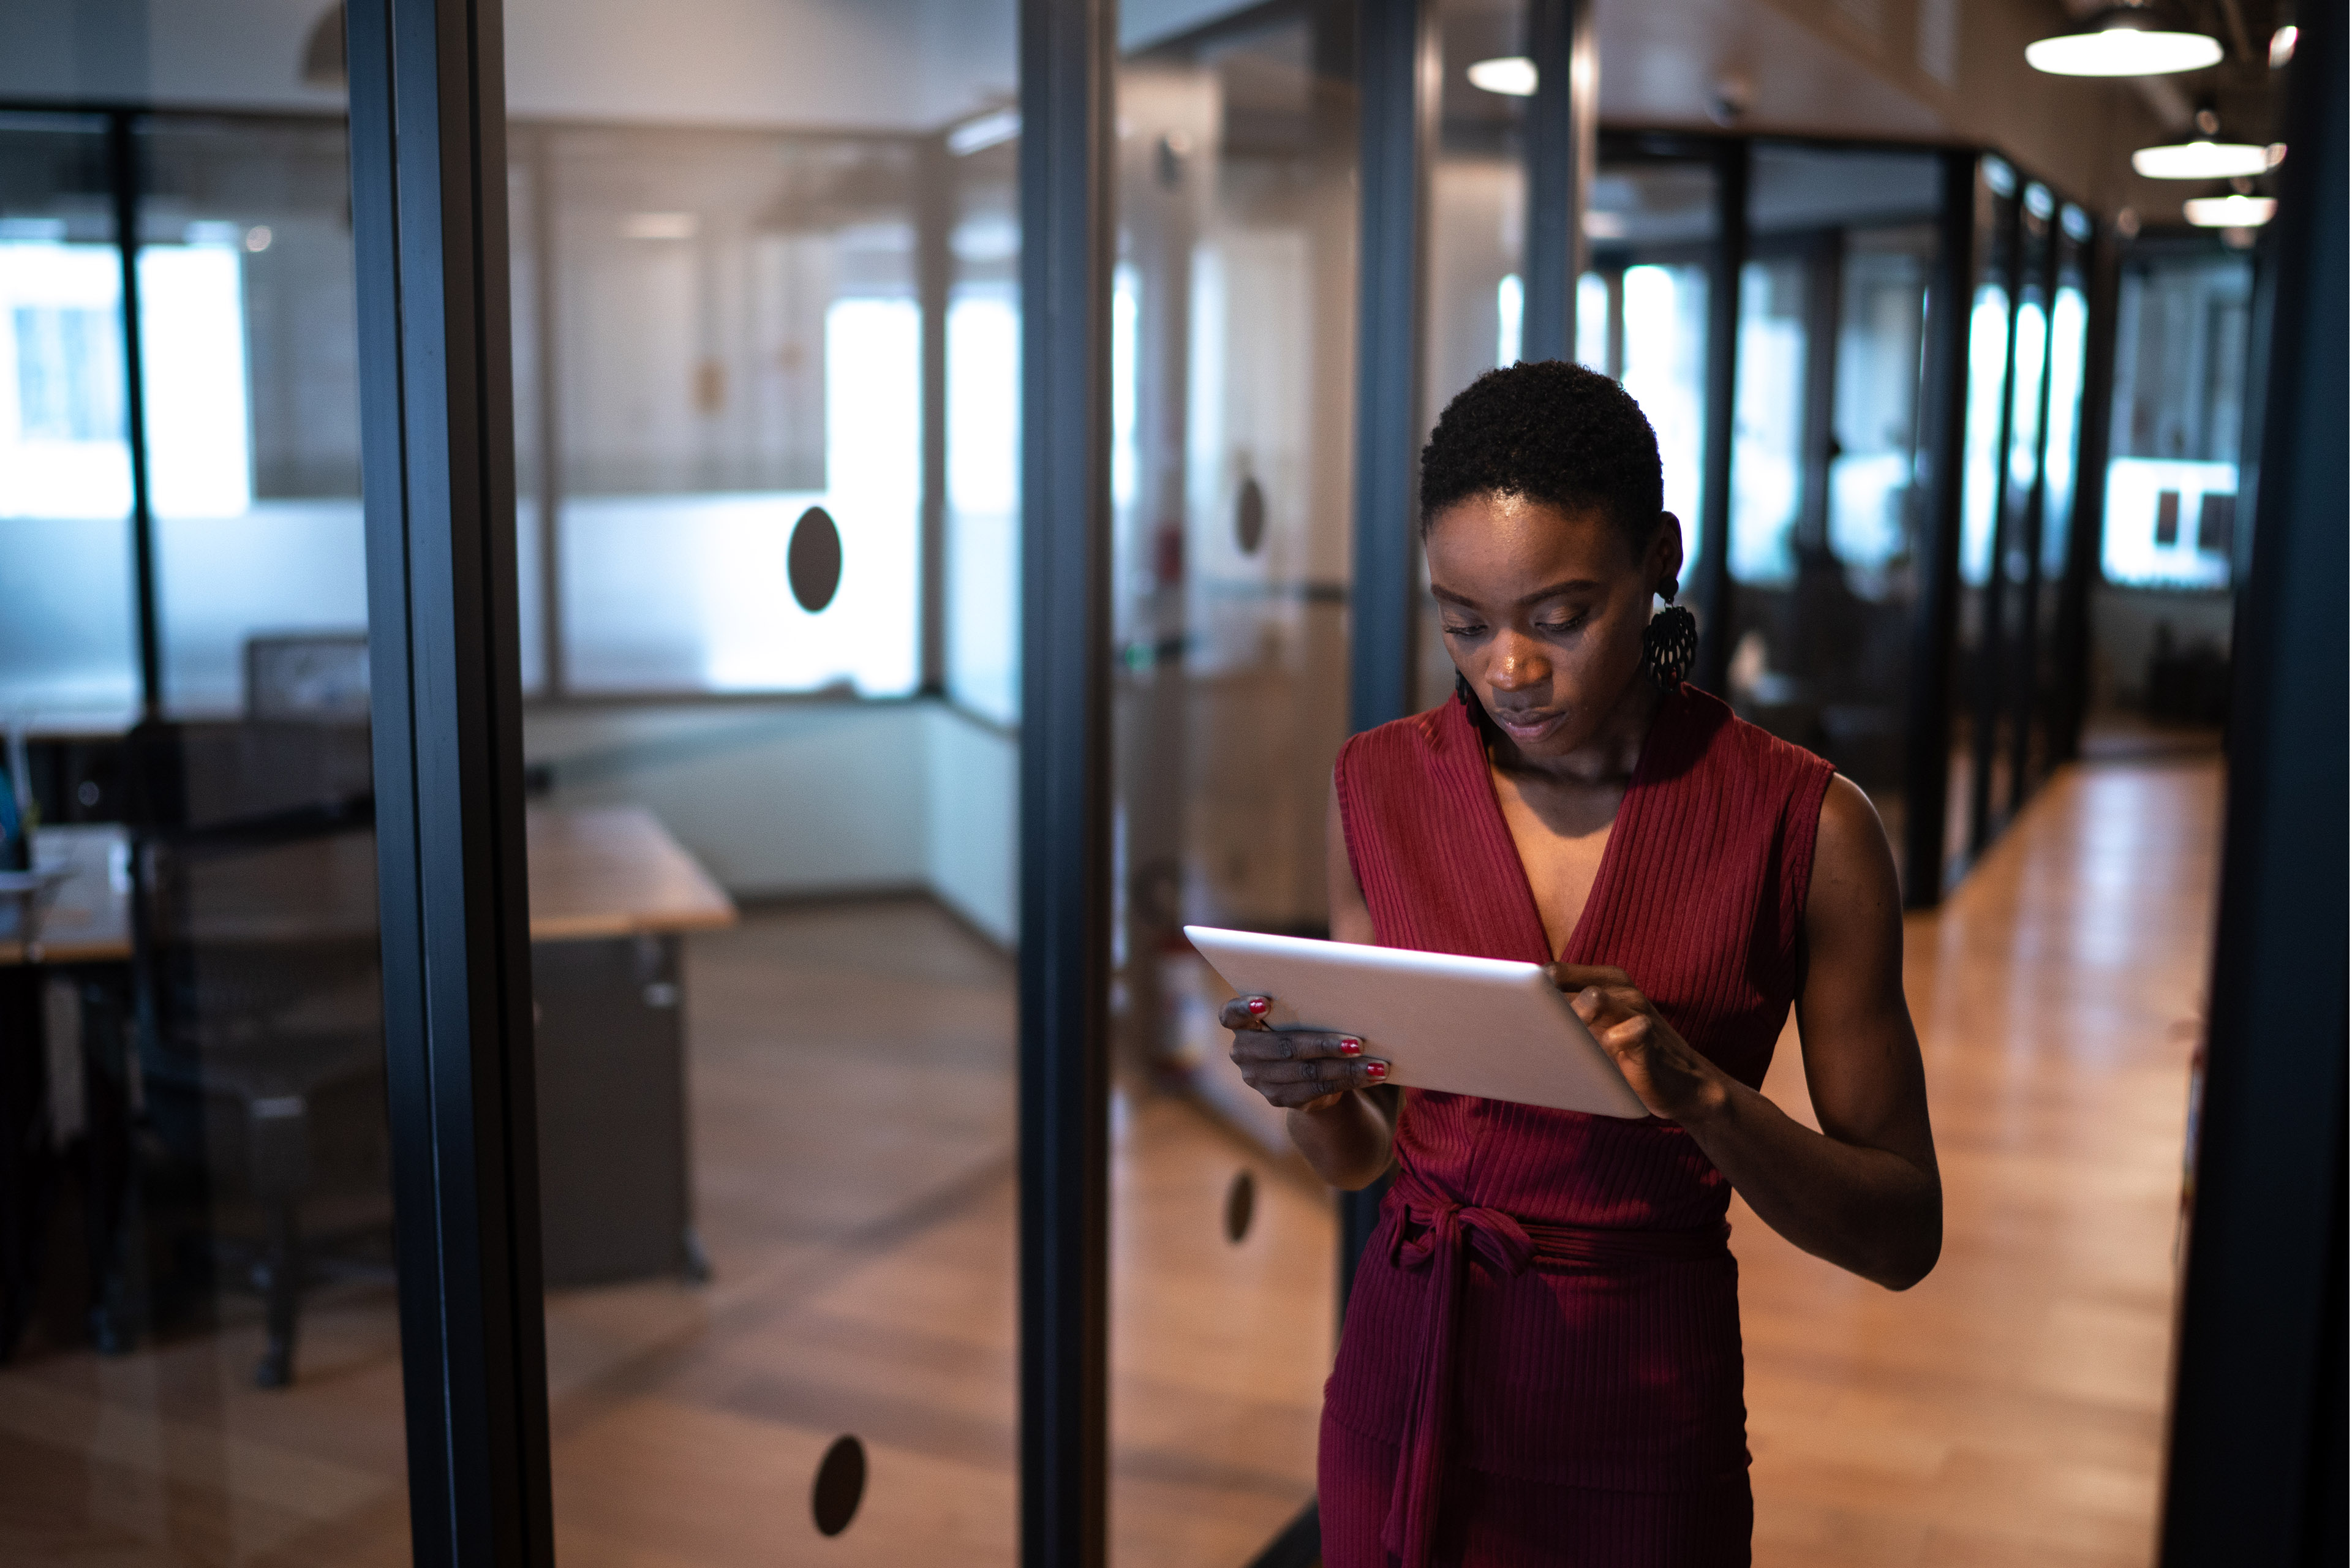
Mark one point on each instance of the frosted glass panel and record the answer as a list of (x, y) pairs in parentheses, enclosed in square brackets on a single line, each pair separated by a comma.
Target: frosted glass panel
[(67, 614), (983, 565), (1768, 428), (248, 337)]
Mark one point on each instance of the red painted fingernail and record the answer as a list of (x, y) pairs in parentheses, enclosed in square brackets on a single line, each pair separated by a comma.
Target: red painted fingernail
[(1350, 1047), (1257, 1006), (1376, 1070)]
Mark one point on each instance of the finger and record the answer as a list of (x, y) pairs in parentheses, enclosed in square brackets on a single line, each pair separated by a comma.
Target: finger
[(1320, 1074), (1630, 1039), (1294, 1045), (1244, 1013), (1577, 976)]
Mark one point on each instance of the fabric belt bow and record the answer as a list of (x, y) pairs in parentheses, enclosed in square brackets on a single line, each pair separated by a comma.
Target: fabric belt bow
[(1503, 1245)]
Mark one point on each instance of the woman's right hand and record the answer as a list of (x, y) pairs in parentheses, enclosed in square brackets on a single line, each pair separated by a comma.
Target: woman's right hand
[(1297, 1069)]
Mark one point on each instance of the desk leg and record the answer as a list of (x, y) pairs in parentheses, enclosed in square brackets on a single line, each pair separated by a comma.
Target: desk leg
[(113, 1233), (27, 1162)]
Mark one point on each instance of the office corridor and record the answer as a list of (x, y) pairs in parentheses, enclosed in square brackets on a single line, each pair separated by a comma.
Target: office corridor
[(853, 1105)]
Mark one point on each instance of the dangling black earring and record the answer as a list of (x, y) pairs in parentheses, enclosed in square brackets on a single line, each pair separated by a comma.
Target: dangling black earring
[(1669, 643), (1463, 692)]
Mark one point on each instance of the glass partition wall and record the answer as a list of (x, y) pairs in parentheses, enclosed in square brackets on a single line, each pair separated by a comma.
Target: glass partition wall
[(767, 331), (1233, 355), (1825, 547), (200, 1354)]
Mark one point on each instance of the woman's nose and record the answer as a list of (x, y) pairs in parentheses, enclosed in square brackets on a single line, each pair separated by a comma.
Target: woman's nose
[(1519, 664)]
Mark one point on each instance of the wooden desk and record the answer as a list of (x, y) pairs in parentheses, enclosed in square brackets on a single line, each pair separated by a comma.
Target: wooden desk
[(88, 921), (611, 895), (606, 871), (612, 871)]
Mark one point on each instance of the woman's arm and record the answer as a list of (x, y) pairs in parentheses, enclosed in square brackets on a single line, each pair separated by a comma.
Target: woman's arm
[(1863, 1192), (1345, 1133)]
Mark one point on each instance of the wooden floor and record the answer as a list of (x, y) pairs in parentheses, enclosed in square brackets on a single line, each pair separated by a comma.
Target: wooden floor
[(853, 1128), (2009, 1410)]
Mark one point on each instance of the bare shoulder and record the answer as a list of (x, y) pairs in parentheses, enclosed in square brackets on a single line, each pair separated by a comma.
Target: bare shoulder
[(1853, 887)]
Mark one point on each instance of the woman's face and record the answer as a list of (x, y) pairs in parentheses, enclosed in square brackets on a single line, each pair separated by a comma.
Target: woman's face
[(1543, 610)]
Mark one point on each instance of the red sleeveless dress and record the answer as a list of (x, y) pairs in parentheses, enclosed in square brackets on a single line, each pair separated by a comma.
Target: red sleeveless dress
[(1541, 1362)]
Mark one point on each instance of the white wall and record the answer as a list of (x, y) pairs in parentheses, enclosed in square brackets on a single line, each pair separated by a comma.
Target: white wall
[(799, 798)]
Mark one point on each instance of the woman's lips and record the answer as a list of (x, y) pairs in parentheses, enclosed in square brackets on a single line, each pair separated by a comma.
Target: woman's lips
[(1527, 726)]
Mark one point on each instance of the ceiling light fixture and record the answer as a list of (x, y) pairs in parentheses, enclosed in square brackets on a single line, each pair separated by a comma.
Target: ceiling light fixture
[(2201, 160), (2282, 46), (2130, 39), (2228, 212), (1513, 76)]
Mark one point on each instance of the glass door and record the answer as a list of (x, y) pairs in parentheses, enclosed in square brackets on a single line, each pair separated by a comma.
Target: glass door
[(198, 1318), (767, 325), (1233, 323)]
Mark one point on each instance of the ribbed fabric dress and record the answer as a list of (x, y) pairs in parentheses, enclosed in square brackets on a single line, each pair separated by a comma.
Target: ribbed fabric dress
[(1541, 1358)]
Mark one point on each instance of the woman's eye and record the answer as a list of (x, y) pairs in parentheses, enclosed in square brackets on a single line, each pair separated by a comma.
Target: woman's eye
[(1463, 628)]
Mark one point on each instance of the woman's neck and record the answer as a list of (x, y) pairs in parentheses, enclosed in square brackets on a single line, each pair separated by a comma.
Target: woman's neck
[(1607, 758)]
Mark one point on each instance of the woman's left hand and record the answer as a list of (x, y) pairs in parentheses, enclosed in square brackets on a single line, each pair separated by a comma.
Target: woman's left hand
[(1673, 1080)]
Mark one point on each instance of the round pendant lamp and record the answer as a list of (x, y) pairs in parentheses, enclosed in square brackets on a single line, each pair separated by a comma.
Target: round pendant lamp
[(2125, 40), (2228, 212)]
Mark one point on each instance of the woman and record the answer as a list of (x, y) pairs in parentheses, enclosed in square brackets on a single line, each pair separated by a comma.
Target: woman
[(1541, 1360)]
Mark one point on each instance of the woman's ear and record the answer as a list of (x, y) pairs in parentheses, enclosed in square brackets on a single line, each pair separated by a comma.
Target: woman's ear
[(1665, 563)]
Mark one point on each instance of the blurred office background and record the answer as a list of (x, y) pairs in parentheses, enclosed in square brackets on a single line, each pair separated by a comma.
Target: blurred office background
[(766, 348)]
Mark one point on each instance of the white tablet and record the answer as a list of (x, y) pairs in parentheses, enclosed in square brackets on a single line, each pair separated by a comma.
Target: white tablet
[(1466, 1025)]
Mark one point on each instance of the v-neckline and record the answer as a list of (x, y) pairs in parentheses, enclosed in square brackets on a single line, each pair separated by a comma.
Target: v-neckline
[(1604, 875)]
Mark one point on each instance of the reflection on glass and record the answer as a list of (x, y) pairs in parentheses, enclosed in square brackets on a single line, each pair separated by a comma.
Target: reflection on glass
[(1981, 456), (1880, 322), (1767, 427), (1232, 344), (245, 297), (197, 1314), (2172, 472), (1663, 334), (1822, 527), (984, 427), (66, 642), (2069, 321)]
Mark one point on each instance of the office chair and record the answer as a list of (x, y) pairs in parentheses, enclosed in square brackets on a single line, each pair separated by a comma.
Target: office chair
[(258, 972)]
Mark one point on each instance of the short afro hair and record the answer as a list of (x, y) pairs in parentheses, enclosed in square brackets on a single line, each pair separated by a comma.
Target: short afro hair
[(1552, 432)]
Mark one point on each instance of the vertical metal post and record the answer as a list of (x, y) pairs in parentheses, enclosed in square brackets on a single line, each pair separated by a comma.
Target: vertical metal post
[(1985, 700), (1942, 424), (429, 207), (1561, 141), (1824, 286), (2025, 666), (1709, 576), (1399, 62), (2088, 512), (1066, 151), (546, 324), (935, 215), (124, 175), (2255, 1461)]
